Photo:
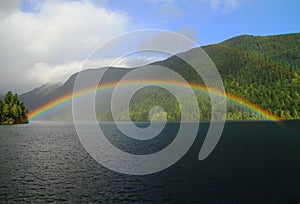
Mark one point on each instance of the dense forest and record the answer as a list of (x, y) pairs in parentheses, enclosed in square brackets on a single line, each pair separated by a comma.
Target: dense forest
[(262, 70), (12, 111)]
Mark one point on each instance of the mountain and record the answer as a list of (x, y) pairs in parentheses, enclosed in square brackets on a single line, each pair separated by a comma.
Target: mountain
[(46, 93), (264, 70), (38, 96)]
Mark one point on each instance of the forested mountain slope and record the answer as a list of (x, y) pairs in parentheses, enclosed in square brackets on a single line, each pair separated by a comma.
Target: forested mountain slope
[(262, 70)]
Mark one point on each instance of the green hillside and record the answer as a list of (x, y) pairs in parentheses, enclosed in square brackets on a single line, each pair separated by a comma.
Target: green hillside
[(263, 70), (282, 50)]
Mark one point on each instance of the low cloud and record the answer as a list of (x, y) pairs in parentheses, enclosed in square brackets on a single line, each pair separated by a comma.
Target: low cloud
[(54, 73), (139, 61)]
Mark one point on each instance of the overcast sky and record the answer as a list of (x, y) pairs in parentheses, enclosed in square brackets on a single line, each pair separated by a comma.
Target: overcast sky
[(44, 41)]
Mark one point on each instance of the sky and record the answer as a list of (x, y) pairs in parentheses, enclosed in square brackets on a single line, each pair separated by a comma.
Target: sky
[(45, 41)]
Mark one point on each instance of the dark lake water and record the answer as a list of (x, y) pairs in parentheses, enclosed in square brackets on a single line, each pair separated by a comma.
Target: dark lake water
[(254, 162)]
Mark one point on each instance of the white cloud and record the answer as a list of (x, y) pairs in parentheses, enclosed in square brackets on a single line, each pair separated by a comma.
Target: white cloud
[(45, 72), (51, 42), (225, 6), (169, 10), (53, 73), (168, 42), (188, 31), (139, 61)]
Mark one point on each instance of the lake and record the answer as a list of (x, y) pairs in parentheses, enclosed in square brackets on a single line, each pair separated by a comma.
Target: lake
[(254, 162)]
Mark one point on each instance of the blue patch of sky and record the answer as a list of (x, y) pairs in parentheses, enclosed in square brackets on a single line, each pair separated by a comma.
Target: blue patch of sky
[(254, 17)]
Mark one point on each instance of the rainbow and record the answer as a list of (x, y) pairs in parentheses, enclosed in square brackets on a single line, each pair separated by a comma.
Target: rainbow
[(197, 87)]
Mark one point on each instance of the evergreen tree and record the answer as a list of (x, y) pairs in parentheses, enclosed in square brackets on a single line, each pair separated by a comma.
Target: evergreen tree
[(11, 110)]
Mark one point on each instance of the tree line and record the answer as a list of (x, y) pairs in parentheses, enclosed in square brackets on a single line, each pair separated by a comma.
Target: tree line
[(12, 111)]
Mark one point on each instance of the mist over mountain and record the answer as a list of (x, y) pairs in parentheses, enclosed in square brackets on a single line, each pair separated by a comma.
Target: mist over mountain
[(262, 70)]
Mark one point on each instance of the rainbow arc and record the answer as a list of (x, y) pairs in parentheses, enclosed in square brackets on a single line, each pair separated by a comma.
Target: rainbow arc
[(197, 87)]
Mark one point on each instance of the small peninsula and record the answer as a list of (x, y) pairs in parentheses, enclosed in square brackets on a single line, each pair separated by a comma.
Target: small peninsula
[(12, 111)]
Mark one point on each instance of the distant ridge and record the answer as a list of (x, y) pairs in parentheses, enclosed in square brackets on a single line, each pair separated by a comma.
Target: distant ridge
[(38, 96)]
